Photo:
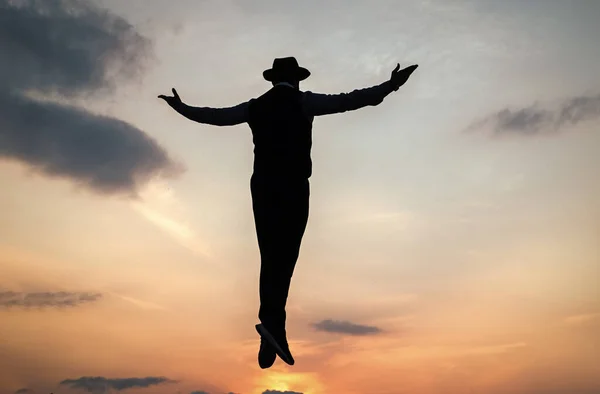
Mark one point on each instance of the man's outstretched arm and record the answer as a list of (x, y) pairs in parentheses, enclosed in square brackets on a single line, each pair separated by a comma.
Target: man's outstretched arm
[(317, 104), (214, 116)]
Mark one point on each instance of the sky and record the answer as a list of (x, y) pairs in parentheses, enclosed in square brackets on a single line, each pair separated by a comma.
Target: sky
[(452, 245)]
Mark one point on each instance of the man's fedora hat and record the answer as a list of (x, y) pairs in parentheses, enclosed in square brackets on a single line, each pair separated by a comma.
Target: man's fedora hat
[(286, 68)]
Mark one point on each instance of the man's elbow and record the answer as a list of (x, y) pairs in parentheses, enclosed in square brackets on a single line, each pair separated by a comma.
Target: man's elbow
[(374, 102), (370, 101), (377, 101)]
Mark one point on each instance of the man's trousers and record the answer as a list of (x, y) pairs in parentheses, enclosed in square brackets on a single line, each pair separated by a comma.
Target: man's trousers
[(280, 209)]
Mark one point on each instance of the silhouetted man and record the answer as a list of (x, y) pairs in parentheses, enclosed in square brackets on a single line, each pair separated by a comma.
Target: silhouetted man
[(281, 123)]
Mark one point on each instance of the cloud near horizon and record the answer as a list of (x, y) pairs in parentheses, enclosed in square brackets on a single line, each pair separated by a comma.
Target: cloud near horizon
[(61, 299), (99, 384), (280, 392), (541, 119), (70, 49), (345, 327)]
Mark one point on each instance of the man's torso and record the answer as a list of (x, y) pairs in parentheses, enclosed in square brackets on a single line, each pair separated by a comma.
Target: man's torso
[(282, 134)]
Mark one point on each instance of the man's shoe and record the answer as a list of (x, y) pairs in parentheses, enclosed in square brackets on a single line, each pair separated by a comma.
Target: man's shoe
[(278, 343), (266, 354)]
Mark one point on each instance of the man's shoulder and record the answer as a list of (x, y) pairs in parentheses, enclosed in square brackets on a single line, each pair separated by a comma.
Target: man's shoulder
[(281, 90)]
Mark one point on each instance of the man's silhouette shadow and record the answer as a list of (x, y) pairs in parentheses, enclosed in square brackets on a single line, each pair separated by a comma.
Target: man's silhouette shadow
[(281, 123)]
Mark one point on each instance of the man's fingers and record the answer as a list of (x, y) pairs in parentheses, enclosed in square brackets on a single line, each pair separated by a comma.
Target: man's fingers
[(397, 67), (175, 93), (412, 68)]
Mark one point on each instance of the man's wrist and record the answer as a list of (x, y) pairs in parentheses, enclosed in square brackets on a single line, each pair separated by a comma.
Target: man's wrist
[(179, 107), (391, 86)]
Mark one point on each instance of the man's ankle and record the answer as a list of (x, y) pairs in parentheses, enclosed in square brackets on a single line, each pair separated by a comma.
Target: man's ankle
[(277, 330)]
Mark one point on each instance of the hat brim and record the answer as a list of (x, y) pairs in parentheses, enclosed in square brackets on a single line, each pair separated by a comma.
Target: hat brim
[(299, 74)]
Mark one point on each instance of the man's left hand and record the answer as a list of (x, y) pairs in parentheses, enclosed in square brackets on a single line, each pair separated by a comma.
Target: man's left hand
[(174, 101)]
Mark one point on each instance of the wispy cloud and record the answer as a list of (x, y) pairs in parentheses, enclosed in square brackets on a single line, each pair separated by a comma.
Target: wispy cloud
[(541, 119), (60, 50), (345, 327), (159, 205), (23, 391), (402, 218), (578, 320), (59, 299), (139, 303), (99, 384), (200, 392), (496, 349), (395, 350)]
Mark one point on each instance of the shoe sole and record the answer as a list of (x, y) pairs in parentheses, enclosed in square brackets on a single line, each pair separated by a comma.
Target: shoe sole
[(270, 364), (266, 366), (263, 332)]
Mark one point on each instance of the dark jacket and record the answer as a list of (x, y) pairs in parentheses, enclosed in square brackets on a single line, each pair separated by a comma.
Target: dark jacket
[(282, 134), (281, 123)]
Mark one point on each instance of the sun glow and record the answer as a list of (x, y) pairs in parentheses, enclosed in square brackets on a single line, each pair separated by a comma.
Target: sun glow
[(306, 383)]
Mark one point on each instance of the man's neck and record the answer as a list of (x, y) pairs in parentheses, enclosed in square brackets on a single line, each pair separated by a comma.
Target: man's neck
[(285, 84)]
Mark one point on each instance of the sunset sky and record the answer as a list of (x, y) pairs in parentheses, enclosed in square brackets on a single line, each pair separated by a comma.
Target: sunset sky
[(453, 244)]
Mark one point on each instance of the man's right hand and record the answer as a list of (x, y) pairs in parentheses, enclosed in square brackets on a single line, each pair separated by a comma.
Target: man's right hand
[(399, 77), (174, 101)]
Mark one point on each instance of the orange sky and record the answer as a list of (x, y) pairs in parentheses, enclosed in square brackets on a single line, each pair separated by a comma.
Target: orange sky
[(469, 261)]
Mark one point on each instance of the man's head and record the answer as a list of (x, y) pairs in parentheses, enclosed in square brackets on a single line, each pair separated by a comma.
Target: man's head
[(286, 70)]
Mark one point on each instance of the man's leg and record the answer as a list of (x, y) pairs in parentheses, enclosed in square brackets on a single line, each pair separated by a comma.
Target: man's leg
[(281, 217), (266, 205), (264, 220), (295, 217), (281, 214)]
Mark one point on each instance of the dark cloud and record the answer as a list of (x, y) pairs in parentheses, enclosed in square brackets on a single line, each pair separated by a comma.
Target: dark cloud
[(71, 48), (280, 392), (345, 327), (579, 109), (101, 153), (23, 391), (59, 299), (66, 46), (538, 119), (199, 392), (99, 384)]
